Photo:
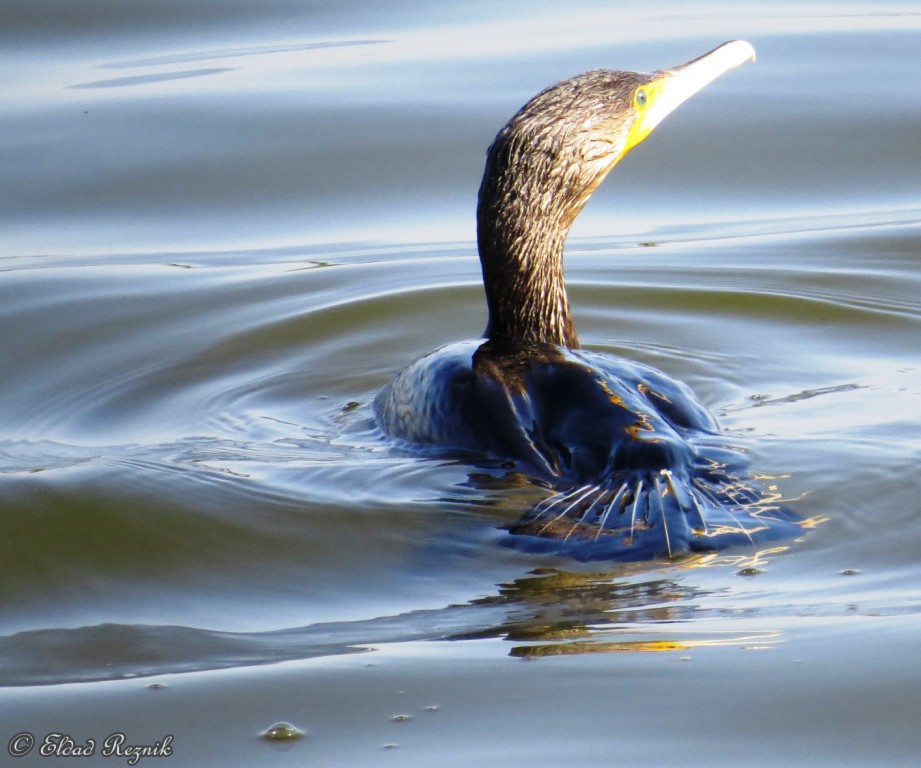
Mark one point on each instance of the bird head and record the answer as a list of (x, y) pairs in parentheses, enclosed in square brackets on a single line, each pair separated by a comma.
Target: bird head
[(558, 148)]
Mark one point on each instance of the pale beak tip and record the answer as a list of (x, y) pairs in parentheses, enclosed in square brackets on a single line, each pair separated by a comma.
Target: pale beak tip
[(745, 50)]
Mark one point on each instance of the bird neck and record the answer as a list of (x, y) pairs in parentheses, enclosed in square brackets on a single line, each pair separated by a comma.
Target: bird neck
[(521, 253)]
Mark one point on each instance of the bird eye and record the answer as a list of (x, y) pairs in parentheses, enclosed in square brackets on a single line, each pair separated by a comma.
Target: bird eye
[(640, 97)]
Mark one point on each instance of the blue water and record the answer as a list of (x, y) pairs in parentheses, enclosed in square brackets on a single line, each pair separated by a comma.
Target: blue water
[(223, 227)]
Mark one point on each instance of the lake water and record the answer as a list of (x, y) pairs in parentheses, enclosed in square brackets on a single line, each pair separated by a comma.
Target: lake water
[(224, 226)]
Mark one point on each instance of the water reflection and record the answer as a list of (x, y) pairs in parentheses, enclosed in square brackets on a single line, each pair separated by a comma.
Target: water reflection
[(546, 612)]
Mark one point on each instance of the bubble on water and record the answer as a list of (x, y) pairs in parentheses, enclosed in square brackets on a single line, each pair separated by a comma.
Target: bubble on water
[(283, 732)]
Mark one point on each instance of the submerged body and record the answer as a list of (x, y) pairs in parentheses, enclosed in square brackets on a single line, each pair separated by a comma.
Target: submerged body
[(636, 465)]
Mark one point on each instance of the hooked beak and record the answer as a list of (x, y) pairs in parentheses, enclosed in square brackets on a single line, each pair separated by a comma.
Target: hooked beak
[(670, 87)]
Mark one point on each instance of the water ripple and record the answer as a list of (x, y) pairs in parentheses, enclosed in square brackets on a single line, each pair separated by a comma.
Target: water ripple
[(124, 82)]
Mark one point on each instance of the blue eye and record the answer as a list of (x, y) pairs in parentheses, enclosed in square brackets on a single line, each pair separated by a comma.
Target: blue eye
[(640, 98)]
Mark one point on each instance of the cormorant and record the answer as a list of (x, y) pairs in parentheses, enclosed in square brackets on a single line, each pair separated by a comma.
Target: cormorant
[(636, 465)]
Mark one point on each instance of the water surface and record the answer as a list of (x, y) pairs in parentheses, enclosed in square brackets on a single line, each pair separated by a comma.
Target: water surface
[(224, 227)]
